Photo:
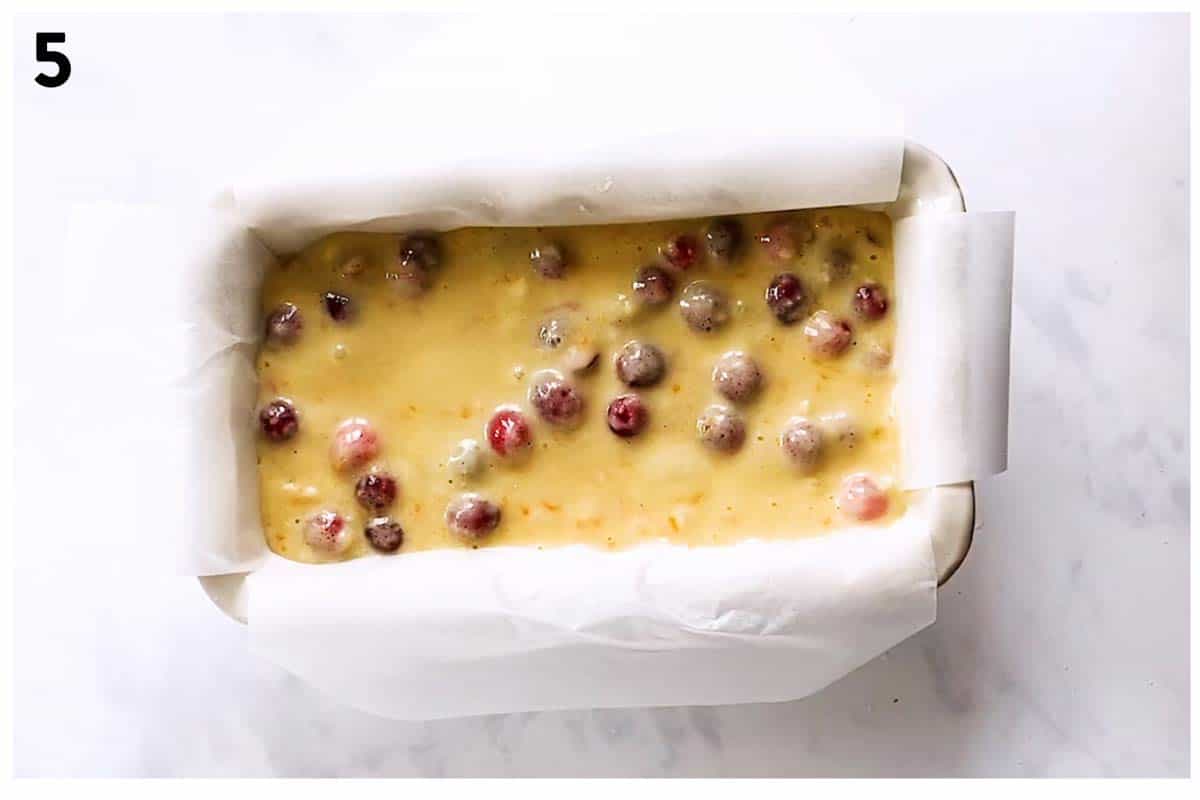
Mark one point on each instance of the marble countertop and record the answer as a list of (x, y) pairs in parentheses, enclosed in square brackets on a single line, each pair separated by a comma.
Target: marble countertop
[(1061, 647)]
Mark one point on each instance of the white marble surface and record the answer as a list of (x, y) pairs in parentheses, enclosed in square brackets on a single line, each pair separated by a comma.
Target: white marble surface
[(1061, 647)]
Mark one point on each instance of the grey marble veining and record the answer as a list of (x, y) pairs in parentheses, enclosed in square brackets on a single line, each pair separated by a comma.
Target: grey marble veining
[(1061, 647)]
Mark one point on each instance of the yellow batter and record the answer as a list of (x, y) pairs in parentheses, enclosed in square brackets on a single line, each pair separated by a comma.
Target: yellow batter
[(427, 369)]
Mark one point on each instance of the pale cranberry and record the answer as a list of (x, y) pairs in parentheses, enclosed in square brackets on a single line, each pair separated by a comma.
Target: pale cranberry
[(787, 297), (737, 376), (783, 240), (838, 262), (279, 420), (827, 335), (326, 531), (653, 285), (284, 325), (555, 399), (721, 429), (802, 442), (355, 443), (861, 499), (627, 415), (640, 364), (420, 251), (549, 261), (870, 301), (467, 458), (418, 256), (553, 331), (723, 239), (508, 432), (384, 534), (471, 517), (704, 307), (580, 358)]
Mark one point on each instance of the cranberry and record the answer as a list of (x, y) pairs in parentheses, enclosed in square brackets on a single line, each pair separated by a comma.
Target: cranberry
[(723, 238), (549, 261), (580, 358), (787, 297), (375, 491), (878, 357), (843, 427), (640, 364), (627, 415), (467, 458), (553, 331), (384, 534), (860, 498), (838, 262), (555, 399), (680, 252), (783, 240), (284, 324), (870, 301), (721, 429), (279, 420), (827, 336), (339, 307), (508, 432), (355, 443), (653, 285), (471, 517), (737, 376), (704, 307), (326, 531), (801, 441), (420, 251), (418, 256)]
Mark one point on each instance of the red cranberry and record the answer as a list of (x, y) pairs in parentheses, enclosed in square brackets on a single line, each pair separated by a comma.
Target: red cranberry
[(355, 443), (471, 517), (326, 531), (827, 336), (384, 534), (555, 399), (375, 491), (787, 297), (549, 261), (704, 307), (860, 498), (870, 301), (279, 420), (640, 364), (508, 432), (339, 307), (284, 324), (737, 376), (653, 285), (627, 415), (680, 252), (723, 238)]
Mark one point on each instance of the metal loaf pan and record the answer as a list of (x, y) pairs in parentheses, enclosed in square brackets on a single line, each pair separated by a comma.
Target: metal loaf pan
[(926, 186)]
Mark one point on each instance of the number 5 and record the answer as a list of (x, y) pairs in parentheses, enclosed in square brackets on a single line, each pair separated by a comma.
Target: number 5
[(60, 60)]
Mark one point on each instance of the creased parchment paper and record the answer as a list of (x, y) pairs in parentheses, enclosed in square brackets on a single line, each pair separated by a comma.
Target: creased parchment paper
[(523, 133)]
